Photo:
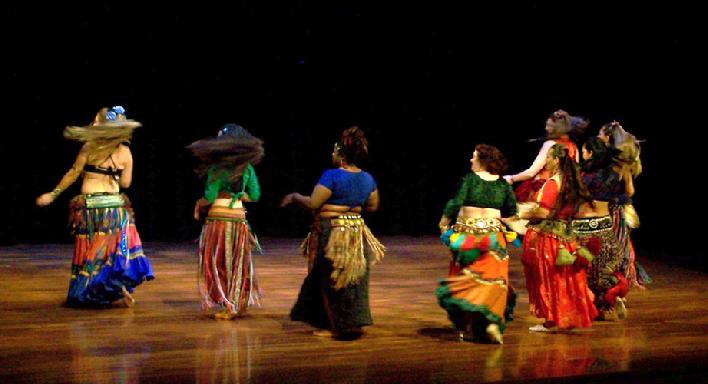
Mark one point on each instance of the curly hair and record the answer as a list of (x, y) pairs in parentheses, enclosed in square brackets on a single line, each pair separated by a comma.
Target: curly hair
[(353, 146), (573, 190), (491, 159)]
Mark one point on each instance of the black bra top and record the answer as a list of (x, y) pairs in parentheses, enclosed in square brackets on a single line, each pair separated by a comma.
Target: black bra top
[(103, 171)]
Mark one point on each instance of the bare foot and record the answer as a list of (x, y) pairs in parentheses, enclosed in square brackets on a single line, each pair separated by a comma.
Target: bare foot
[(128, 299), (224, 315), (620, 309), (323, 333)]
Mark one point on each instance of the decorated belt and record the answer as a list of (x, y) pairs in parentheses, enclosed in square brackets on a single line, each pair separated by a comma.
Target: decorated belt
[(478, 225), (226, 214), (346, 221), (104, 200), (591, 224)]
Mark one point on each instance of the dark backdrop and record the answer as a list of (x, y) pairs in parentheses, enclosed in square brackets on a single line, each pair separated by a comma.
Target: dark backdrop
[(426, 83)]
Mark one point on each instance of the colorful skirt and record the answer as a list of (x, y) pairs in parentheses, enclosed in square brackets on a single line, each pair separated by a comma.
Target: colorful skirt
[(108, 255), (556, 279), (226, 278), (335, 293), (478, 282), (605, 279)]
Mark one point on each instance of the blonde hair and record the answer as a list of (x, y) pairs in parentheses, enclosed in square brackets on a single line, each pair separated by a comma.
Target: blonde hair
[(109, 129)]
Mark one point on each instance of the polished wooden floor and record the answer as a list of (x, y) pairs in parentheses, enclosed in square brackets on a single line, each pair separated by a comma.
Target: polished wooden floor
[(165, 338)]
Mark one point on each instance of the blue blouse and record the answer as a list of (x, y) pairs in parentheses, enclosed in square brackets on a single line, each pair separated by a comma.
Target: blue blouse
[(348, 188)]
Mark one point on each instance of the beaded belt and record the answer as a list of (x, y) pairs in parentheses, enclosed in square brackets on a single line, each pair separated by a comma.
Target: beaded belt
[(347, 221), (478, 225), (591, 224), (104, 200)]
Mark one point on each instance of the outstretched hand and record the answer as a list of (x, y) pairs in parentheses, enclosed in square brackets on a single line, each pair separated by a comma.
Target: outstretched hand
[(287, 200), (444, 224), (45, 199)]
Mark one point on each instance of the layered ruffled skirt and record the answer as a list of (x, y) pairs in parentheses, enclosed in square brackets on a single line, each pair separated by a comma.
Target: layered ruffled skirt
[(108, 255), (478, 281)]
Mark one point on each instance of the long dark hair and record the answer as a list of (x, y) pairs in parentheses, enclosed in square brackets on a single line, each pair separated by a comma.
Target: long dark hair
[(603, 156), (230, 152), (572, 191)]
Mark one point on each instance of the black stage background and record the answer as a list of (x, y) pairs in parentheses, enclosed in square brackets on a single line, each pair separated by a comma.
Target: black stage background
[(425, 82)]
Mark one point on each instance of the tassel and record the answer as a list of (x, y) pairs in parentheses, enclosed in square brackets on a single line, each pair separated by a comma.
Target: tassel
[(564, 257), (585, 254), (346, 250), (630, 216)]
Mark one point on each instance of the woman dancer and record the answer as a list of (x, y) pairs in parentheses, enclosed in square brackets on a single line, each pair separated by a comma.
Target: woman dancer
[(629, 166), (477, 295), (593, 227), (340, 247), (108, 261), (558, 127), (554, 265), (227, 279)]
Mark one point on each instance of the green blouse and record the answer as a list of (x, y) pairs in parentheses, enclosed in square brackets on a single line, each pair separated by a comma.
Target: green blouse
[(477, 192), (218, 181)]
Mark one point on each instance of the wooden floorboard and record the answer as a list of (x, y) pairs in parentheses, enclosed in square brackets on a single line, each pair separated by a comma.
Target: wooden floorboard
[(166, 338)]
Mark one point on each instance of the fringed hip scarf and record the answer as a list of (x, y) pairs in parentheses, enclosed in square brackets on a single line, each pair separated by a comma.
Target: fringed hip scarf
[(345, 247)]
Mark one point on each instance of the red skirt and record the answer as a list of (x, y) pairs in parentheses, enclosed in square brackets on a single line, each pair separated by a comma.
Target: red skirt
[(558, 294)]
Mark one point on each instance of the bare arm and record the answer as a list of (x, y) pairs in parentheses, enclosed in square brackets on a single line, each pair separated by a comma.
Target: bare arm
[(538, 213), (320, 194), (198, 206), (535, 167), (626, 176), (372, 203), (126, 176), (69, 178)]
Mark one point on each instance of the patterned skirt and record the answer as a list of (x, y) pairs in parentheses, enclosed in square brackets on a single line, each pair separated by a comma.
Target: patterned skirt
[(226, 278), (478, 282), (606, 278), (108, 255)]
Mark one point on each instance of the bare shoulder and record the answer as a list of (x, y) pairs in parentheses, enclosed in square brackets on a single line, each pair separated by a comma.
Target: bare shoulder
[(123, 150), (123, 153)]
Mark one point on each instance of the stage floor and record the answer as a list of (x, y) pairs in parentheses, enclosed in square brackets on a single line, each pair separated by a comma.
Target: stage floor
[(166, 338)]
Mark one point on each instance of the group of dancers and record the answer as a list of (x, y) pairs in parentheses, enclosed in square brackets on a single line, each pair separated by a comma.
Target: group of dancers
[(574, 210), (577, 256)]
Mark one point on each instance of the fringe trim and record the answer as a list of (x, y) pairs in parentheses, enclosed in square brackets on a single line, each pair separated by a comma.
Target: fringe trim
[(345, 248)]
